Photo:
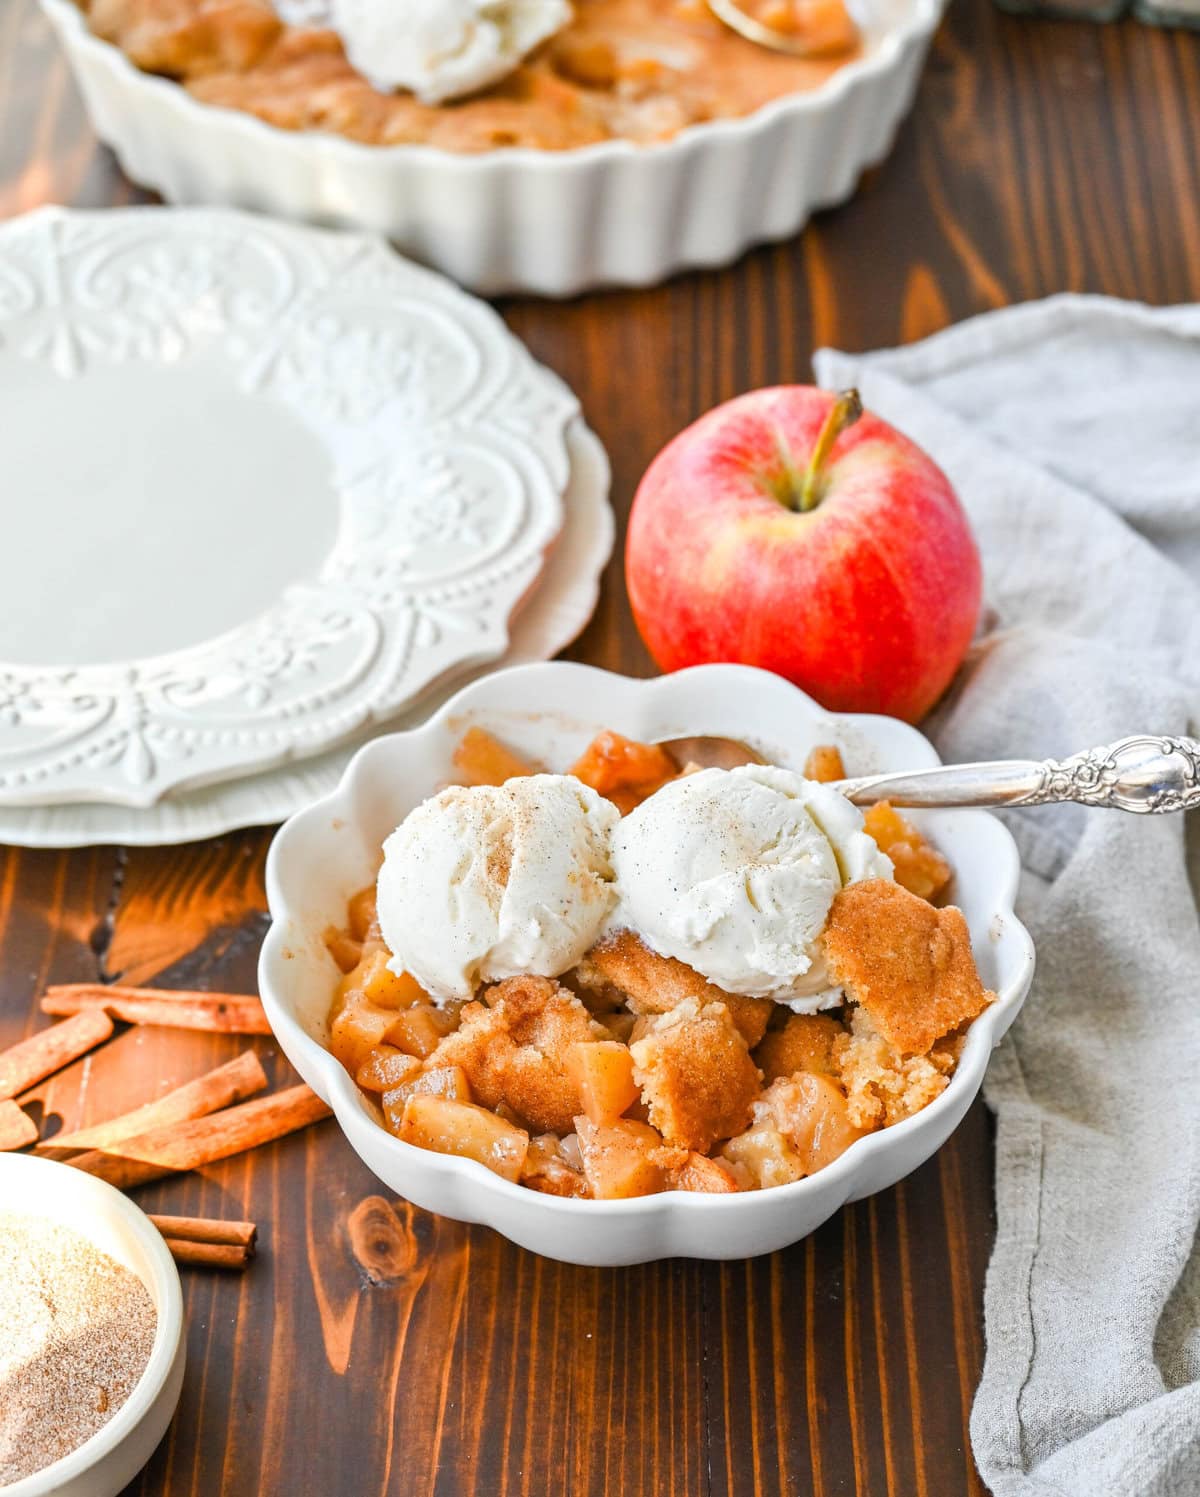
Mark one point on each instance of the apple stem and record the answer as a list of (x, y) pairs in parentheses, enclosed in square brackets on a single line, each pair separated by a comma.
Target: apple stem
[(844, 412)]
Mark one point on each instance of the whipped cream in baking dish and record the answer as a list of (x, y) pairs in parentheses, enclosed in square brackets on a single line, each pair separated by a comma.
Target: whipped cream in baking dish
[(490, 882), (443, 49), (734, 871)]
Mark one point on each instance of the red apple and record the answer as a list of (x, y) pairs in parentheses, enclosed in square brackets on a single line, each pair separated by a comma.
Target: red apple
[(782, 531)]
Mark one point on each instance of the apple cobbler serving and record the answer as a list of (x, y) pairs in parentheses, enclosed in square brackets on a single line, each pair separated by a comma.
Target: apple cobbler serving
[(639, 976), (466, 76)]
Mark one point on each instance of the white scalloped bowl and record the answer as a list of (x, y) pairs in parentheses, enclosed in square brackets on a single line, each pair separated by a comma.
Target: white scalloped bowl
[(515, 219), (550, 711)]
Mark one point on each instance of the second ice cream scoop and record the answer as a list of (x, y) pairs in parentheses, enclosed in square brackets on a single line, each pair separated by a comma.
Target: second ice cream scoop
[(733, 872)]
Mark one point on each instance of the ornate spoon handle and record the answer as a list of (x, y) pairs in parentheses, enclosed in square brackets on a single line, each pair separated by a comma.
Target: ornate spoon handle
[(1141, 774)]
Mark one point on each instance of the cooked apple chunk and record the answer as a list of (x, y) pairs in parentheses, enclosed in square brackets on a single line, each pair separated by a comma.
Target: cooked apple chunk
[(514, 1047), (481, 759), (824, 764), (696, 1075), (625, 1158), (381, 985), (812, 1112), (356, 1030), (622, 770), (920, 868), (654, 984), (434, 1081), (343, 948), (603, 1072), (907, 964), (765, 1154), (420, 1030), (461, 1128), (386, 1067), (548, 1168), (361, 914), (707, 1176)]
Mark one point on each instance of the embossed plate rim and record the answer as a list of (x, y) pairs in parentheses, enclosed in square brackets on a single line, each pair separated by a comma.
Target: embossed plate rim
[(419, 393), (557, 611)]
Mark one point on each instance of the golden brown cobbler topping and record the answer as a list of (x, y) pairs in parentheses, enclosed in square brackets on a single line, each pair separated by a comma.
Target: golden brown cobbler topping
[(909, 965), (696, 1075), (514, 1047), (882, 1086), (653, 984), (804, 1043)]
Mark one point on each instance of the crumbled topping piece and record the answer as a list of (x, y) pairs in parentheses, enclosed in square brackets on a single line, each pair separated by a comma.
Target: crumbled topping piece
[(514, 1047), (909, 965), (696, 1075), (653, 984)]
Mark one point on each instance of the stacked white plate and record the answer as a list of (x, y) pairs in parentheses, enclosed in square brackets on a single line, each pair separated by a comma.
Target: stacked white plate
[(268, 489)]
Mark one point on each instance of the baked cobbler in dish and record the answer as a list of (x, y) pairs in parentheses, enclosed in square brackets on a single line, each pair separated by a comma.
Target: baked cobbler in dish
[(637, 70), (639, 976)]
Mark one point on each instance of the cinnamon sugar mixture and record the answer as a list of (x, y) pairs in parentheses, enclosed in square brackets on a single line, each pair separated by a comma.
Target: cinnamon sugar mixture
[(77, 1329)]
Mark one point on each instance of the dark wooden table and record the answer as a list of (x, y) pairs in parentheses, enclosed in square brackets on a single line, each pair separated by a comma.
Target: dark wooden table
[(425, 1356)]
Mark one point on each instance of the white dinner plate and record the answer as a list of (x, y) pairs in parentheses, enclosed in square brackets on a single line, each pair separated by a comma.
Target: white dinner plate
[(265, 485), (556, 611)]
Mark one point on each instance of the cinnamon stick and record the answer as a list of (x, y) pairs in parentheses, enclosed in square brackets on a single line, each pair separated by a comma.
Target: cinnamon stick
[(216, 1013), (233, 1082), (17, 1128), (208, 1254), (187, 1146), (34, 1059), (208, 1229)]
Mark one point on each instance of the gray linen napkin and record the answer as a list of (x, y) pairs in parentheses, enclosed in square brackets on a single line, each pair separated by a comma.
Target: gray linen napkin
[(1071, 430)]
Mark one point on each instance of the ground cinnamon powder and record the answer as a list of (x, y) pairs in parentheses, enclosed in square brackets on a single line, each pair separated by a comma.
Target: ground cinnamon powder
[(76, 1329)]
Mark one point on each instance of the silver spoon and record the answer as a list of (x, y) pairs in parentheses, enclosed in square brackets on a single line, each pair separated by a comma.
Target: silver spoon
[(730, 14), (1142, 774)]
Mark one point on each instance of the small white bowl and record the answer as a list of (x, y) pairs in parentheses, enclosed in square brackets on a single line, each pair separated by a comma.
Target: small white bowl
[(549, 712), (108, 1462), (515, 219)]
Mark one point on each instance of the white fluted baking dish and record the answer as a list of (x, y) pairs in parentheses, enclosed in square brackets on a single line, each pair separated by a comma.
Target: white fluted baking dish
[(322, 855), (515, 219)]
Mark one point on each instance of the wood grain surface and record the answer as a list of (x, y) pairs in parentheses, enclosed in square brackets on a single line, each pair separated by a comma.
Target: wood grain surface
[(372, 1348)]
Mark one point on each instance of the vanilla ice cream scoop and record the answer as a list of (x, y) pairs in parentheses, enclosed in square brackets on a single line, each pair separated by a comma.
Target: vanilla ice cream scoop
[(443, 49), (734, 871), (486, 883)]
